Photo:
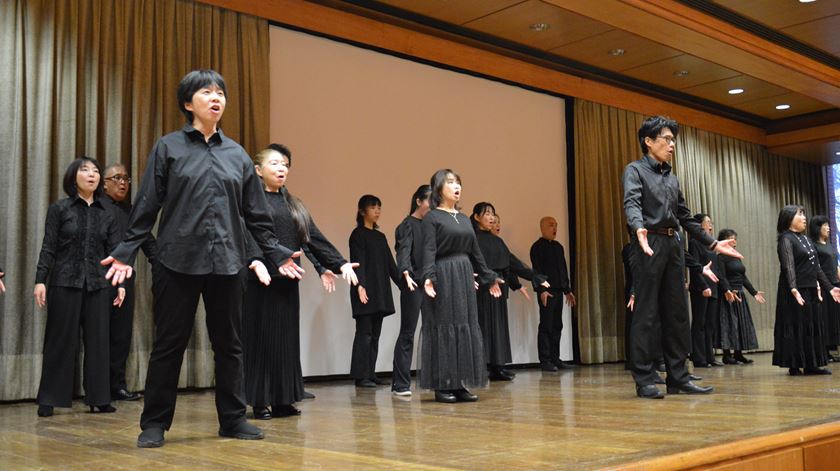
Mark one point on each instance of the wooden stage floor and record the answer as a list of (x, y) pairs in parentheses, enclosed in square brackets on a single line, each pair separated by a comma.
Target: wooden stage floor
[(583, 419)]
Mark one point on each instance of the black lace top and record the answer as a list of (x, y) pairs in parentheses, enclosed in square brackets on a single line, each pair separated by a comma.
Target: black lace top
[(799, 262)]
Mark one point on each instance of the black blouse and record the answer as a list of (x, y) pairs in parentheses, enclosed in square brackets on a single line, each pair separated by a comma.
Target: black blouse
[(799, 263), (828, 262), (448, 234), (76, 237), (369, 248), (736, 274), (409, 248)]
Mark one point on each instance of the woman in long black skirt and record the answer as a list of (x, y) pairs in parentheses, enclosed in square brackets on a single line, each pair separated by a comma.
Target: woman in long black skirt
[(371, 300), (492, 311), (409, 246), (820, 233), (737, 330), (452, 357), (271, 317), (78, 230), (798, 332)]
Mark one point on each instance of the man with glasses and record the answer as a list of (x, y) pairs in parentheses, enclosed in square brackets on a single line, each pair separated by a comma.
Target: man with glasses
[(116, 188), (655, 210)]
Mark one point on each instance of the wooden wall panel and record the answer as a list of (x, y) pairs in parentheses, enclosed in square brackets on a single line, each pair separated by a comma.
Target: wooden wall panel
[(785, 460), (823, 456)]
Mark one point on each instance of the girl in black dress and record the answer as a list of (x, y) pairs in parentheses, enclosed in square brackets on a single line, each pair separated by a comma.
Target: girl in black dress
[(79, 232), (492, 311), (452, 355), (737, 331), (820, 233), (371, 300), (271, 314), (409, 246), (798, 332)]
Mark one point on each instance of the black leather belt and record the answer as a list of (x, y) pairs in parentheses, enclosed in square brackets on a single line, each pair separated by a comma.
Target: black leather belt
[(668, 231)]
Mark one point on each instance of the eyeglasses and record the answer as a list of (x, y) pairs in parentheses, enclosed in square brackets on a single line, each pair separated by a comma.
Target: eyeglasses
[(668, 139), (120, 178)]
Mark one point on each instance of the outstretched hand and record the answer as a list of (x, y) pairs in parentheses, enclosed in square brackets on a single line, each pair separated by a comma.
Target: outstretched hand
[(261, 271), (524, 292), (759, 296), (118, 301), (328, 281), (798, 297), (429, 288), (835, 294), (118, 272), (632, 302), (290, 269), (708, 273), (409, 281), (725, 247), (641, 234), (349, 274)]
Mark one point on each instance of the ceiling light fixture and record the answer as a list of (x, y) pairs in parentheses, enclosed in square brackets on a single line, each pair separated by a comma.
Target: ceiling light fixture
[(736, 91), (782, 107), (807, 1), (616, 52), (837, 153), (681, 73), (539, 27)]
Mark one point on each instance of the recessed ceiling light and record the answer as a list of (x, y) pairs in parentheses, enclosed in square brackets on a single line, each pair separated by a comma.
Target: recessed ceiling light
[(616, 52), (837, 153), (807, 1), (539, 27), (736, 91), (782, 107), (681, 73)]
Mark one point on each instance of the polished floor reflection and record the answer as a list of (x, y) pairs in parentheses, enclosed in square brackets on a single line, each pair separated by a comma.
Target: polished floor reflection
[(582, 419)]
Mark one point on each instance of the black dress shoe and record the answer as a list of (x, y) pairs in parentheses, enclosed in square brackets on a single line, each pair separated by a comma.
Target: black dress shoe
[(464, 395), (365, 383), (123, 395), (378, 381), (794, 372), (564, 365), (817, 371), (285, 410), (445, 396), (548, 367), (695, 378), (689, 388), (649, 392), (151, 437), (743, 359), (262, 413), (243, 431), (45, 411), (731, 361), (715, 363), (495, 374), (658, 380), (106, 408), (308, 395), (507, 372)]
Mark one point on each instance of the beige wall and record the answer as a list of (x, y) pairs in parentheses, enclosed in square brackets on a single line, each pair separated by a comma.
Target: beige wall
[(358, 122)]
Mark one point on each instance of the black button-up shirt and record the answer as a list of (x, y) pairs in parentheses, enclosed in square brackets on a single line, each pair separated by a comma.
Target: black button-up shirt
[(76, 237), (209, 195), (653, 199), (121, 211)]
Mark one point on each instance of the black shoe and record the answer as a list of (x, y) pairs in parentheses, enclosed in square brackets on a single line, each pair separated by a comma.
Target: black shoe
[(794, 372), (743, 359), (365, 383), (285, 410), (378, 381), (730, 361), (548, 367), (262, 413), (658, 380), (464, 395), (495, 374), (715, 363), (649, 392), (445, 396), (507, 372), (308, 395), (243, 431), (702, 365), (832, 358), (817, 371), (695, 378), (45, 411), (689, 388), (107, 408), (123, 395), (152, 437), (564, 365)]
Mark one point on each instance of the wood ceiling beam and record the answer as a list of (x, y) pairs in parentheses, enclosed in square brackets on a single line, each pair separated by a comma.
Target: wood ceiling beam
[(693, 32)]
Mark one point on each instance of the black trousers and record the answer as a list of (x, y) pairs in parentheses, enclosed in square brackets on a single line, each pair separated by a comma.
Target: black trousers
[(175, 301), (660, 297), (122, 322), (704, 316), (550, 329), (366, 346), (67, 310), (410, 302)]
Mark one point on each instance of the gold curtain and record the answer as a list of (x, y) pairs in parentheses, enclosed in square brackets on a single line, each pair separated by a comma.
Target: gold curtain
[(98, 78), (739, 184)]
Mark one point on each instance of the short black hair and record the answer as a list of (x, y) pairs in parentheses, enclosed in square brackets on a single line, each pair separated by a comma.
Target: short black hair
[(421, 194), (193, 82), (786, 216), (69, 182), (478, 210), (726, 233), (436, 183), (699, 217), (653, 126), (365, 202), (815, 226), (283, 150)]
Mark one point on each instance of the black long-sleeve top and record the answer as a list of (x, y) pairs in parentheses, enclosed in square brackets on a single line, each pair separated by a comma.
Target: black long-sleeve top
[(209, 195), (548, 258), (409, 247), (828, 262), (498, 258), (736, 274), (76, 237), (697, 282), (653, 199), (799, 262), (319, 249), (448, 234), (369, 248), (121, 212)]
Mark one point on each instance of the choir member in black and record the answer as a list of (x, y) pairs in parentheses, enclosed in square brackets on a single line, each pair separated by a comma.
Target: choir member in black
[(116, 187), (493, 311), (205, 187), (271, 314), (451, 348), (497, 225), (79, 231), (409, 248), (549, 260), (820, 233), (655, 208), (798, 333), (705, 302), (737, 331), (371, 300)]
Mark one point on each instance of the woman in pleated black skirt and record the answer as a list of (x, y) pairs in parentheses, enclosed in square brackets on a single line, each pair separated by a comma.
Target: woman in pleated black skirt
[(271, 314), (820, 233)]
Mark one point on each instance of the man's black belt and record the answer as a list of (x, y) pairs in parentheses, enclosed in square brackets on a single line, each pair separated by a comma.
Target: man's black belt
[(667, 231)]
